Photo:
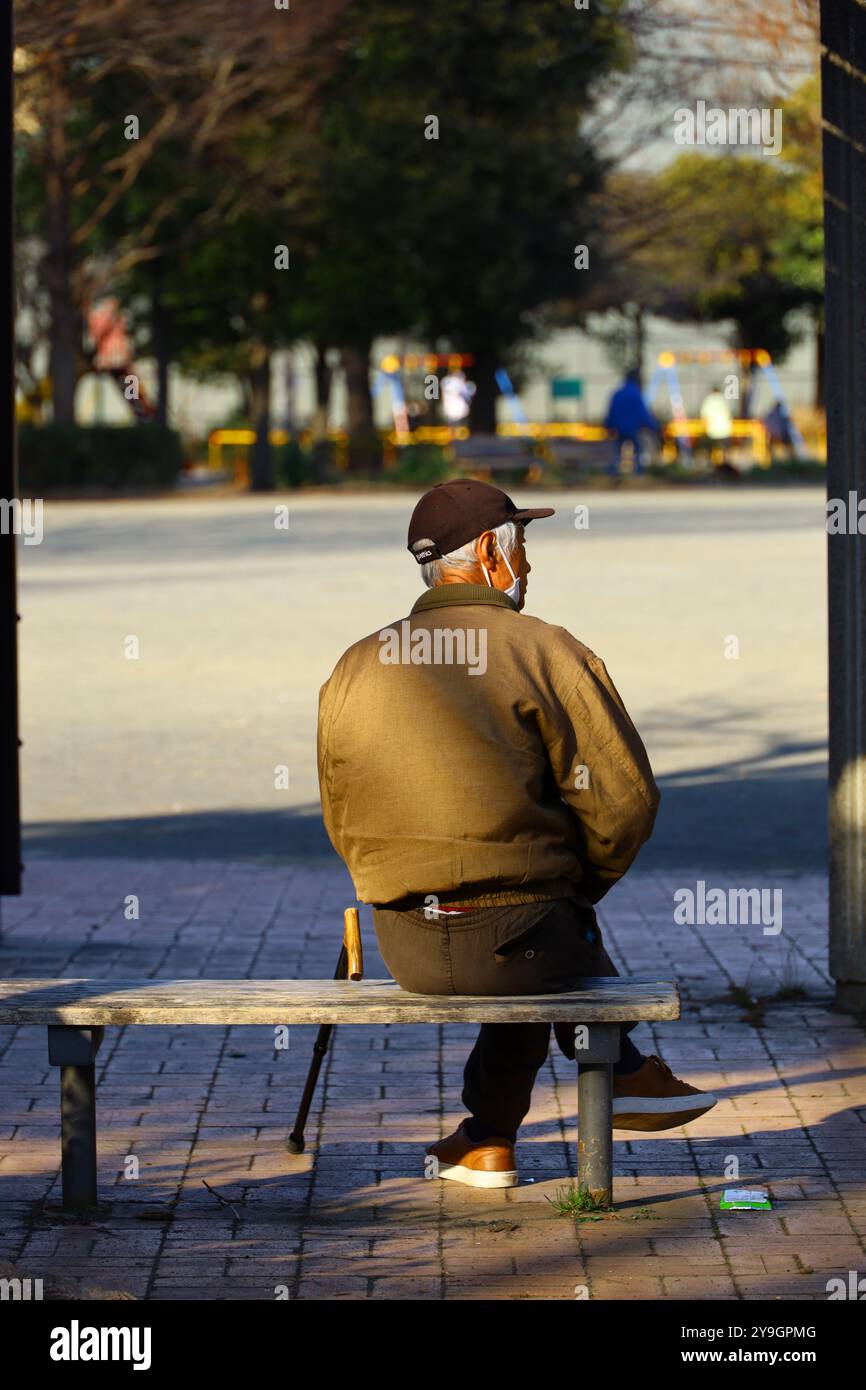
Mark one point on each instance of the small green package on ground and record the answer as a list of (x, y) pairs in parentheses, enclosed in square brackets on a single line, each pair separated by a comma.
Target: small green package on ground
[(744, 1199)]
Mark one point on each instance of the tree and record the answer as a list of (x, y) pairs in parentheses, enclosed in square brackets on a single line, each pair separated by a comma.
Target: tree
[(719, 237), (644, 225), (799, 241), (651, 222), (231, 303), (191, 76), (455, 176)]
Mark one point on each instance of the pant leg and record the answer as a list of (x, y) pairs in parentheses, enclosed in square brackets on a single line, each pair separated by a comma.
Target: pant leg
[(502, 1066), (500, 1074), (614, 467), (639, 466), (540, 952)]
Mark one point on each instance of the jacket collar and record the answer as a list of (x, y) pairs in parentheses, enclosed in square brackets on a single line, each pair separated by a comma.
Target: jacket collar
[(445, 595)]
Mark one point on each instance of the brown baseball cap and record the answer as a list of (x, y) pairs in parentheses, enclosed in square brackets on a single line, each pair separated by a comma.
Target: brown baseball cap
[(452, 514)]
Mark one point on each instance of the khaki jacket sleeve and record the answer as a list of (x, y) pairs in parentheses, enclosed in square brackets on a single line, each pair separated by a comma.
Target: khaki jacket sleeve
[(324, 760), (604, 775)]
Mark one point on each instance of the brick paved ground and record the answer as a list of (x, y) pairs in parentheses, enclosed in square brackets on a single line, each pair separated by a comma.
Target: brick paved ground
[(352, 1218)]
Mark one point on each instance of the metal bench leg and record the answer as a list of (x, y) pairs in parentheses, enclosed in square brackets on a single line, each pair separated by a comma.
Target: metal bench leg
[(74, 1050), (595, 1107)]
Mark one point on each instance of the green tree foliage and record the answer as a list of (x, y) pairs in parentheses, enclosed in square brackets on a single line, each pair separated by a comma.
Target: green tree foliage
[(199, 79), (454, 174), (713, 237)]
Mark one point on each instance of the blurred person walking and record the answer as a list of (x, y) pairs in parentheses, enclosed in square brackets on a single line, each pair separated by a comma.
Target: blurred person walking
[(627, 415)]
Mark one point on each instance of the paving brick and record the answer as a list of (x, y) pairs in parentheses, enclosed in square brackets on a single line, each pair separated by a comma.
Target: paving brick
[(351, 1218)]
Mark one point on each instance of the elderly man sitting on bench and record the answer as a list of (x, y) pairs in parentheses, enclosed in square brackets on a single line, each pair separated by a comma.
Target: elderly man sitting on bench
[(485, 787)]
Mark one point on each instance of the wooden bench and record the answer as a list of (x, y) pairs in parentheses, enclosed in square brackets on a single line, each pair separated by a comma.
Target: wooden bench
[(77, 1011), (579, 457), (494, 453)]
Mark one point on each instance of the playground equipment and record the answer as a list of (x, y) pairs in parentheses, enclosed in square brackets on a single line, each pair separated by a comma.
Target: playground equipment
[(389, 375), (564, 441), (679, 436), (685, 431), (515, 409), (240, 438), (112, 355)]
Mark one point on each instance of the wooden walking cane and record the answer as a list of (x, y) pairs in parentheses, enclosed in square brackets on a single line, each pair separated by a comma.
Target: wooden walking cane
[(350, 966)]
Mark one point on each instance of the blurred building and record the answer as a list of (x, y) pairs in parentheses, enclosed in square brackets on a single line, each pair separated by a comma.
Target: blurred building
[(196, 409)]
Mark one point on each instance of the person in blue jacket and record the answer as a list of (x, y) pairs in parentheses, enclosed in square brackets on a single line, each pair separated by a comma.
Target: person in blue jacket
[(627, 415)]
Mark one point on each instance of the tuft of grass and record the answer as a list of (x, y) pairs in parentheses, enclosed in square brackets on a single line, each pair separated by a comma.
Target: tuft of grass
[(791, 987), (577, 1201), (754, 1006), (580, 1205), (753, 1009), (643, 1214)]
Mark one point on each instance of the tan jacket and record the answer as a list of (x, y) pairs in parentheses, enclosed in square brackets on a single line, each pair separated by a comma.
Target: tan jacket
[(472, 751)]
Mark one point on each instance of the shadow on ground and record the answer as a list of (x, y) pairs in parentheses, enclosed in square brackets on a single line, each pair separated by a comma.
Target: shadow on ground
[(722, 817)]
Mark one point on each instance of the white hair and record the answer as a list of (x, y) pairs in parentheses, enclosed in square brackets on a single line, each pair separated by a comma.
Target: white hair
[(466, 558)]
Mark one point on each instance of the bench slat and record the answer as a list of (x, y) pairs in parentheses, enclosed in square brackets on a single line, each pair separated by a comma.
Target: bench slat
[(92, 1003)]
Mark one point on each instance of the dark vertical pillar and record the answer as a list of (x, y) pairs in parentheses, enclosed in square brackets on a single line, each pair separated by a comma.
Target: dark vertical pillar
[(10, 830), (74, 1051), (78, 1135), (596, 1049), (595, 1131), (843, 74)]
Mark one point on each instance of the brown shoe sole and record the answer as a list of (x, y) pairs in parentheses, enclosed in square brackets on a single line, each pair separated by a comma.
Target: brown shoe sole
[(653, 1122)]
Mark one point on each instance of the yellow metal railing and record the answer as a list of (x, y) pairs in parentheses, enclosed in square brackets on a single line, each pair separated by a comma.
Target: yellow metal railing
[(217, 440), (244, 439), (696, 430), (442, 435), (562, 429)]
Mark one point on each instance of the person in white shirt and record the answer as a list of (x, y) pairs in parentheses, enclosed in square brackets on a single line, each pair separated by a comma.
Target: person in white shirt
[(718, 422), (457, 395)]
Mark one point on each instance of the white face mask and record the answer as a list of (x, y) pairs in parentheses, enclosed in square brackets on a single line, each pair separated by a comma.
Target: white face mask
[(513, 590)]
